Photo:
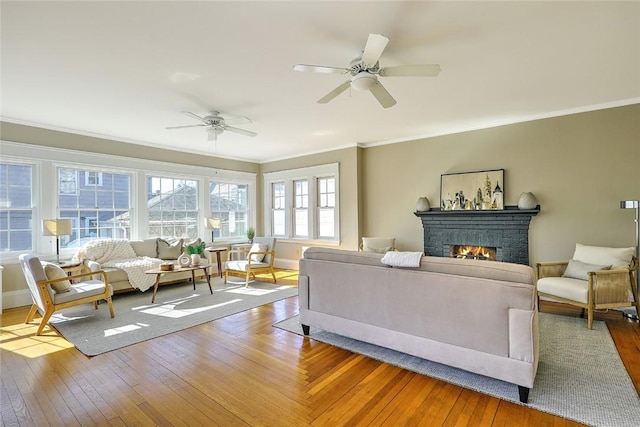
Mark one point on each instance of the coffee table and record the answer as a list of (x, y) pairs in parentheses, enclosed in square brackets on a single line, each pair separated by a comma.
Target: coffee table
[(178, 269)]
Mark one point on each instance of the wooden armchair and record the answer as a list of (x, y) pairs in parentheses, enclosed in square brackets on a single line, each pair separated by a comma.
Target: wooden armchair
[(46, 300), (259, 259), (582, 284)]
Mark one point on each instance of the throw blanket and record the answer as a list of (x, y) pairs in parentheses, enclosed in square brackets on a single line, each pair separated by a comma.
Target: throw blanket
[(135, 269), (402, 259), (118, 253)]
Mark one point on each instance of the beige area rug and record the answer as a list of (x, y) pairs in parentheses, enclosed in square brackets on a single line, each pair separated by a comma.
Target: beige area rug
[(176, 307), (580, 374)]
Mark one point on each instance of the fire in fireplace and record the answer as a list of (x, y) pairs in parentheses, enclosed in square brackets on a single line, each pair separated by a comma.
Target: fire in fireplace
[(473, 252)]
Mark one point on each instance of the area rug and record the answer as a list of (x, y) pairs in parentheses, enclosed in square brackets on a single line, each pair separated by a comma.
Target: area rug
[(580, 374), (176, 307)]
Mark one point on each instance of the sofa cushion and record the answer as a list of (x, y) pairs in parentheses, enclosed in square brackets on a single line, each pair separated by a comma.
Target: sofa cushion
[(168, 250), (53, 271), (147, 247), (578, 270), (601, 255)]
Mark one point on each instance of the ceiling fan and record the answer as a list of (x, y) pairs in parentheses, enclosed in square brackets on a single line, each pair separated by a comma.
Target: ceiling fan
[(365, 70), (215, 124)]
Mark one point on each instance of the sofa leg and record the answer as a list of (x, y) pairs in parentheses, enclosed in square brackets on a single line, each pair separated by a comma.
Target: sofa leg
[(305, 329), (524, 394)]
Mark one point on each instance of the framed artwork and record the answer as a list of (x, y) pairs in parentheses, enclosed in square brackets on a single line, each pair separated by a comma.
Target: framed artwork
[(472, 191)]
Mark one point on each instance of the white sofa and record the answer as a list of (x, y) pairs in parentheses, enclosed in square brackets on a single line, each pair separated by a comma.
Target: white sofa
[(154, 251), (480, 316)]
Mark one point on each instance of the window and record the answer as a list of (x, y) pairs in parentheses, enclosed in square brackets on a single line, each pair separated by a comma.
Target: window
[(229, 202), (172, 206), (16, 207), (98, 203), (301, 208), (304, 203), (278, 209), (326, 207)]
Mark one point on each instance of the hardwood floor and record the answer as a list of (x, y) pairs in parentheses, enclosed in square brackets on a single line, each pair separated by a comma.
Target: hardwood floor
[(240, 370)]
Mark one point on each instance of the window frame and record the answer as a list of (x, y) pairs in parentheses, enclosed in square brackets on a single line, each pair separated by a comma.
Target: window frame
[(311, 175)]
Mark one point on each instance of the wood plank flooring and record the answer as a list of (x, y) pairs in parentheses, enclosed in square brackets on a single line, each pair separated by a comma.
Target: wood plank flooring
[(241, 371)]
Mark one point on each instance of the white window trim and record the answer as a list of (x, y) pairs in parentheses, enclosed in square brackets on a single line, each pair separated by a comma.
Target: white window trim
[(310, 174), (45, 195)]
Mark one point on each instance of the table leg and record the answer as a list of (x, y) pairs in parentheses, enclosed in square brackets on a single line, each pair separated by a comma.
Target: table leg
[(208, 280), (193, 278), (155, 288), (219, 264)]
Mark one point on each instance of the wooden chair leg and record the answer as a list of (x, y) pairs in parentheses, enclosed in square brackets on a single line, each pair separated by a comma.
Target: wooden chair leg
[(273, 273), (45, 320), (246, 280), (226, 273), (110, 305), (31, 314), (590, 317)]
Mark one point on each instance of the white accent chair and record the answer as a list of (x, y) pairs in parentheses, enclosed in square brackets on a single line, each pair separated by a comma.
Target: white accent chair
[(595, 278), (378, 244), (259, 259), (46, 300)]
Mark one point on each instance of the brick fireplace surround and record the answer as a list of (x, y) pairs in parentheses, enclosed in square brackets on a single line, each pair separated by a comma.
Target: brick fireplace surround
[(507, 230)]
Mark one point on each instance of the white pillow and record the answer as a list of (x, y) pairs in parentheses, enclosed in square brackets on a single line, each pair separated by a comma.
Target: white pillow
[(168, 251), (601, 255), (578, 270), (257, 247), (53, 271)]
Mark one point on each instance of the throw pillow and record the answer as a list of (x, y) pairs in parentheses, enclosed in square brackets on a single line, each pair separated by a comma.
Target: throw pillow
[(578, 270), (53, 271), (600, 255), (377, 250), (257, 247), (147, 247), (193, 243), (170, 251)]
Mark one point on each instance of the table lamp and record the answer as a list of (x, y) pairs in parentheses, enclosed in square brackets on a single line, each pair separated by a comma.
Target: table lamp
[(213, 224), (56, 227)]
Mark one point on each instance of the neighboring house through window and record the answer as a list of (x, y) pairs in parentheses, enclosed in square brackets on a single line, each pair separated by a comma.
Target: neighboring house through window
[(16, 207), (229, 202), (172, 207)]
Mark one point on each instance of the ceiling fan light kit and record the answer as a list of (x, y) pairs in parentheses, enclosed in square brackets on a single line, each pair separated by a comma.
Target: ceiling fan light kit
[(365, 70), (215, 124)]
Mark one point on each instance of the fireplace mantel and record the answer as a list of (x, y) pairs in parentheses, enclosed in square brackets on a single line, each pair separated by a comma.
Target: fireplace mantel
[(506, 229)]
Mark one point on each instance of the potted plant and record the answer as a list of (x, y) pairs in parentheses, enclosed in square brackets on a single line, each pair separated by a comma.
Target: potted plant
[(251, 233), (195, 251)]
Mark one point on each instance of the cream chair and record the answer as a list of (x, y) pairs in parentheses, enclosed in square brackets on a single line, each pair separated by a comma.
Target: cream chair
[(47, 300), (595, 278), (259, 259), (377, 244)]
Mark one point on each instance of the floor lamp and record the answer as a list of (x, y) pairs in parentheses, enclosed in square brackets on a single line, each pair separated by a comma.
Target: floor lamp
[(634, 204), (56, 227)]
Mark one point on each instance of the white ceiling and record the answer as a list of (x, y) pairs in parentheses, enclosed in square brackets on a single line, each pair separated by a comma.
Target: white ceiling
[(125, 70)]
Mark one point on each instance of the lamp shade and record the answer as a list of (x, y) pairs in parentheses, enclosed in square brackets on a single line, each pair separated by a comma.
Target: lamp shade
[(212, 223), (629, 204), (56, 227)]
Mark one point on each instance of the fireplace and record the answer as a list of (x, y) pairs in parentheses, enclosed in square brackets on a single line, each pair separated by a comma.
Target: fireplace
[(488, 253), (504, 231)]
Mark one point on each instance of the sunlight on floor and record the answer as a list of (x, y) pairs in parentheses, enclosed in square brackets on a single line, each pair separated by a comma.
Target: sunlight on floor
[(22, 340), (123, 329)]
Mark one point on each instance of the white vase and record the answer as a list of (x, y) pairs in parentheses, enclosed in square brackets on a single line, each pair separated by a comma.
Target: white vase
[(422, 204), (527, 201), (195, 259)]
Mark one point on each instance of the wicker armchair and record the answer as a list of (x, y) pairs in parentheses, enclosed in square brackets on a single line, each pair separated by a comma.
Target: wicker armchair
[(601, 289)]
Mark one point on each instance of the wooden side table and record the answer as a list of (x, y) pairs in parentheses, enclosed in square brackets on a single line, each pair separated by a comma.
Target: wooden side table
[(217, 251)]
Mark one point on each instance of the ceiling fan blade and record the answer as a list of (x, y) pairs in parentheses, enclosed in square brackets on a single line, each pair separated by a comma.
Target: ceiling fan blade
[(337, 91), (428, 70), (373, 49), (237, 120), (320, 69), (384, 98), (240, 131), (195, 116), (187, 126)]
